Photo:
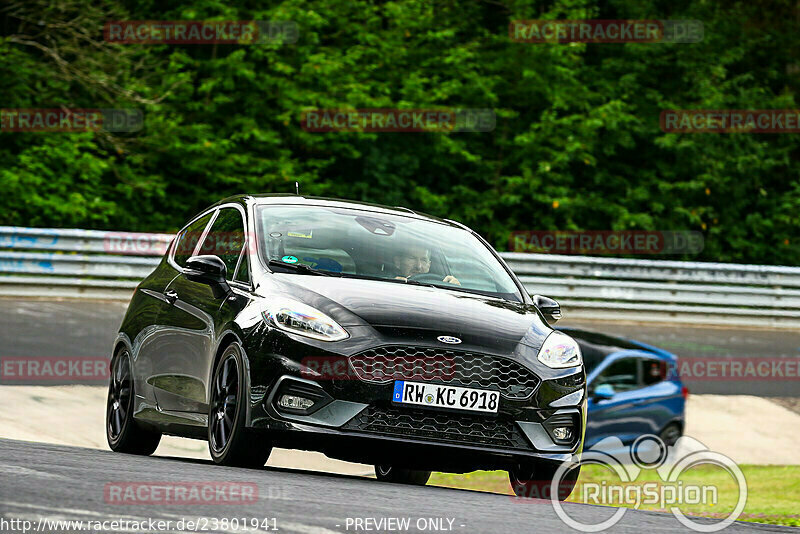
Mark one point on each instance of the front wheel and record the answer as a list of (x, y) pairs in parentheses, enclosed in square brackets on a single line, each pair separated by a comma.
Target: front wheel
[(229, 441), (671, 434), (390, 473), (122, 432), (534, 481)]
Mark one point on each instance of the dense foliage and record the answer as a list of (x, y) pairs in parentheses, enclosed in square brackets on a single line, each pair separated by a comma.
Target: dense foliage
[(577, 143)]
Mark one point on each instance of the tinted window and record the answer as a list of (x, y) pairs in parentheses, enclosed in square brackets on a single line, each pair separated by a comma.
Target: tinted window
[(243, 274), (225, 239), (386, 246), (187, 240), (621, 375)]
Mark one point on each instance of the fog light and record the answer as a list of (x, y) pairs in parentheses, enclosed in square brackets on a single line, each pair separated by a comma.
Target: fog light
[(294, 402), (562, 433)]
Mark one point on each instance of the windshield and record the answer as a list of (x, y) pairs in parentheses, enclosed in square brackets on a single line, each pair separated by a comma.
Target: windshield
[(365, 244)]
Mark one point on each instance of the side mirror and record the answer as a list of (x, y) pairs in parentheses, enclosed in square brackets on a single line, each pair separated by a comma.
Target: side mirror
[(549, 308), (603, 392), (209, 270)]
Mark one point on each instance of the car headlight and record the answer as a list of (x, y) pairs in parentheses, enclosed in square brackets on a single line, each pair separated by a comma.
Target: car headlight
[(559, 351), (302, 319)]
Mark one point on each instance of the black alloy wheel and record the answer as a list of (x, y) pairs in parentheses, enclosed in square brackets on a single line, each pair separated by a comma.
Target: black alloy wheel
[(229, 441), (122, 432)]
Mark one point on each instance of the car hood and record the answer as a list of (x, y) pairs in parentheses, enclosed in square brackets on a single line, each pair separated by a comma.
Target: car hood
[(476, 319)]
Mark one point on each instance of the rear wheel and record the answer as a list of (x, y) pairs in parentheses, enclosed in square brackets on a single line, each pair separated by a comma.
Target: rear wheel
[(229, 441), (122, 432), (533, 481), (390, 473)]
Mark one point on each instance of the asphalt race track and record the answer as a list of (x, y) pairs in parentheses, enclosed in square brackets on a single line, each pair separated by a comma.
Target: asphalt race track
[(67, 483), (81, 328)]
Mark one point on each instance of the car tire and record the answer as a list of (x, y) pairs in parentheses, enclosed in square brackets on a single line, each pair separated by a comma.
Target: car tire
[(229, 441), (671, 434), (123, 433), (390, 473), (532, 481)]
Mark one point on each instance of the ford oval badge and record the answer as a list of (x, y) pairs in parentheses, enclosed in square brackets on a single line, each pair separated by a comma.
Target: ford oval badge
[(449, 339)]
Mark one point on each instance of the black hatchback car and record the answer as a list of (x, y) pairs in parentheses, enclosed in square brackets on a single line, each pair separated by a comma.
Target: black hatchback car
[(372, 334)]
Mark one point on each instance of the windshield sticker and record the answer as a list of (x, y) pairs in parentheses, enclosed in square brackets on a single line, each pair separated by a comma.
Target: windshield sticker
[(289, 259), (300, 234)]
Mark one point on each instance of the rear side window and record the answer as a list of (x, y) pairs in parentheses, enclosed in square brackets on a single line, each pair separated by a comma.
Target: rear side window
[(653, 371), (225, 239), (188, 238)]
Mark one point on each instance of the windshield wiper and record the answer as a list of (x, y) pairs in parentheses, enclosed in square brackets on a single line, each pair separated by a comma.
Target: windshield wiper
[(418, 283), (301, 268)]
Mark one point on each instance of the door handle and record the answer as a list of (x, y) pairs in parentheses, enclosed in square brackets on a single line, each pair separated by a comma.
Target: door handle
[(171, 295)]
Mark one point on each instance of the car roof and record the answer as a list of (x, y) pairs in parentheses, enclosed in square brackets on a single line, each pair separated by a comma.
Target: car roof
[(302, 200)]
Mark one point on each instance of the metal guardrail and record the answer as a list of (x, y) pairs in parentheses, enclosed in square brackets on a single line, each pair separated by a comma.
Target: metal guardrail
[(36, 262), (67, 263), (664, 291)]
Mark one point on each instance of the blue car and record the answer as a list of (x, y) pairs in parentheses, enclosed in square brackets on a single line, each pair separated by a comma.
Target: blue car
[(633, 389)]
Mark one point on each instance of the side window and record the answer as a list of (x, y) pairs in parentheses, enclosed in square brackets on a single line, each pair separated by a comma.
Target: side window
[(622, 375), (243, 274), (187, 240), (653, 371), (225, 239)]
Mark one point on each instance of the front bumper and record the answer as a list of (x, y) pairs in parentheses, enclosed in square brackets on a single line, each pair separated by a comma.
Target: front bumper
[(360, 423)]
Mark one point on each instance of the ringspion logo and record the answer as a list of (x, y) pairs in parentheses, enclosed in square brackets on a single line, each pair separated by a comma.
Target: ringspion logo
[(649, 452)]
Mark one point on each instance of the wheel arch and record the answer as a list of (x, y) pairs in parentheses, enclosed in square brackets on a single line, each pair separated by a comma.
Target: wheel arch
[(677, 421), (122, 341)]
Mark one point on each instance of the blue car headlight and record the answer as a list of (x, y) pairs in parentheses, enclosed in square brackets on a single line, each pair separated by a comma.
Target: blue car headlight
[(298, 318), (559, 351)]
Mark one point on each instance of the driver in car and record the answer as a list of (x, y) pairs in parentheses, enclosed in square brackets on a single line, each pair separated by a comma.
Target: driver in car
[(416, 259)]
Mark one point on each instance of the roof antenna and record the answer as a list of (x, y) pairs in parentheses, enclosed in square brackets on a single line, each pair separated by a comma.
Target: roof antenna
[(297, 188)]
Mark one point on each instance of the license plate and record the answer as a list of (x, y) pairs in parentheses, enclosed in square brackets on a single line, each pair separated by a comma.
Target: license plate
[(442, 396)]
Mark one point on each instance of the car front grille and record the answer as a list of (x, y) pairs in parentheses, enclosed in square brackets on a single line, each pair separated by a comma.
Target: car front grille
[(461, 429), (384, 364)]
